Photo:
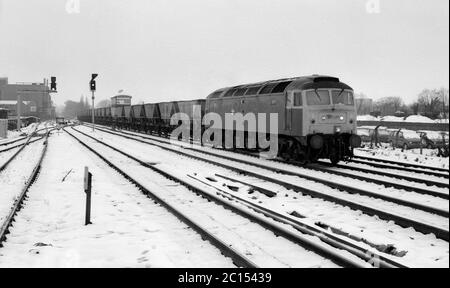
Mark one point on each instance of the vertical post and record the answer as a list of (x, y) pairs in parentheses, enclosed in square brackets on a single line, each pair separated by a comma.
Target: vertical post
[(19, 111), (87, 190), (93, 110), (445, 110)]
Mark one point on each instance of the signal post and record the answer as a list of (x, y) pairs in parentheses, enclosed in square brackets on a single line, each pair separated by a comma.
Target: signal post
[(92, 86)]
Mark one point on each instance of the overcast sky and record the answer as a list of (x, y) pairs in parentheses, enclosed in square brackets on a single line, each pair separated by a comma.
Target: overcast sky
[(158, 50)]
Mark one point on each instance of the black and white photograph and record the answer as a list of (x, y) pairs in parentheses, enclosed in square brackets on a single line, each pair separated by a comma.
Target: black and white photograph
[(224, 134)]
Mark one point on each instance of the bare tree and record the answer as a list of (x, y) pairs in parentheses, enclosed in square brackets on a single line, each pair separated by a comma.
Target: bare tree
[(433, 103), (389, 105), (443, 95)]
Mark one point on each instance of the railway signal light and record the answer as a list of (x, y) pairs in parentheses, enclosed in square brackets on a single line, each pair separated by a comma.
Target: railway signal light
[(93, 87), (92, 84), (53, 84)]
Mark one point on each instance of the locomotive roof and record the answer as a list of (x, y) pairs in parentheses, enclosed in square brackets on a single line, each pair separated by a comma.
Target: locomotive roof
[(281, 85)]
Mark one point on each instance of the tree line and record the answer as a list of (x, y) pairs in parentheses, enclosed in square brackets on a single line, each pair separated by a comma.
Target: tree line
[(432, 103), (72, 108)]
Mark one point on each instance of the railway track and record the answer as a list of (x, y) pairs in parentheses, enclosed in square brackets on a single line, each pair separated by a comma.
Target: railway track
[(442, 173), (27, 140), (381, 163), (13, 141), (6, 225), (325, 167), (22, 146), (341, 171), (223, 199), (239, 259), (367, 209)]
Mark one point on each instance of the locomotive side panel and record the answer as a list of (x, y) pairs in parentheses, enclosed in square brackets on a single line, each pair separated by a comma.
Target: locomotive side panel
[(261, 104)]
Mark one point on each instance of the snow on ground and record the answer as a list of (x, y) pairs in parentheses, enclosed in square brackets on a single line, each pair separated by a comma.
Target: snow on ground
[(411, 248), (411, 119), (367, 118), (422, 250), (371, 202), (4, 156), (23, 132), (392, 119), (13, 178), (258, 244), (128, 229), (408, 156), (441, 121), (419, 119)]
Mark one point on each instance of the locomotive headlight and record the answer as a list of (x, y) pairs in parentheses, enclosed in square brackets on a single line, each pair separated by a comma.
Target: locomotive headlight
[(342, 118)]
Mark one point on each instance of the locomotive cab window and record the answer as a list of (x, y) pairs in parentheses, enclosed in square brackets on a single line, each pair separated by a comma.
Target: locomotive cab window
[(343, 97), (318, 97), (298, 99)]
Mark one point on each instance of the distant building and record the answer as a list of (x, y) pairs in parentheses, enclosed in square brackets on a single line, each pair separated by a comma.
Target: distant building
[(11, 107), (3, 113), (36, 99), (119, 101)]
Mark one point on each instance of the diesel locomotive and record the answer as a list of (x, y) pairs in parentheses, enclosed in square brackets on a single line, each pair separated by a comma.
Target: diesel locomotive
[(316, 115)]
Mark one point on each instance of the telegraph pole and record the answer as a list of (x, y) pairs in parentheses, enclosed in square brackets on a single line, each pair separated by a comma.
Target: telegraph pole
[(92, 85), (93, 118)]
